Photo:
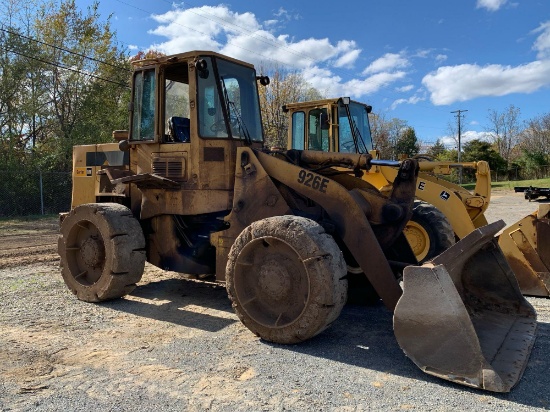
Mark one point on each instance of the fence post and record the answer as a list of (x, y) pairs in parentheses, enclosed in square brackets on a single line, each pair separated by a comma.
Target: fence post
[(41, 193)]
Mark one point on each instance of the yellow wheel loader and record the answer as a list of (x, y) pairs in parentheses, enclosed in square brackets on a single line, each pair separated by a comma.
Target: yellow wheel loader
[(443, 211), (191, 188)]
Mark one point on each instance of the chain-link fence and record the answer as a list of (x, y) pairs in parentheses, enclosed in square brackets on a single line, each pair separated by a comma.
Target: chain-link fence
[(34, 192), (512, 174), (518, 173)]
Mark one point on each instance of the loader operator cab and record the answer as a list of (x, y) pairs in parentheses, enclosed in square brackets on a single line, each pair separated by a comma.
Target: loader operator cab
[(224, 94), (331, 125), (189, 114)]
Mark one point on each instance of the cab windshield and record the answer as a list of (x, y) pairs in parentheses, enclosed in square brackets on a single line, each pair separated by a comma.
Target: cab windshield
[(356, 118), (228, 101)]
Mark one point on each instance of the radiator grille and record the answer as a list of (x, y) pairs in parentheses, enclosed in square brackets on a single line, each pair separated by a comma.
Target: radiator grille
[(171, 168)]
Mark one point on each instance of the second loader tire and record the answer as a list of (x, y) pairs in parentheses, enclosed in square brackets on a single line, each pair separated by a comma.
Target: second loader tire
[(429, 232), (286, 279), (102, 250)]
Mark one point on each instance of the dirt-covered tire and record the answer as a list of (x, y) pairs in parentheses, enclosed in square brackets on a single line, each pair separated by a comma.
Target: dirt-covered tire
[(102, 251), (428, 232), (286, 279)]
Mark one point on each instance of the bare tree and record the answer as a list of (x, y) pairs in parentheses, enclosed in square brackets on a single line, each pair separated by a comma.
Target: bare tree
[(284, 87), (386, 134), (505, 131), (536, 135)]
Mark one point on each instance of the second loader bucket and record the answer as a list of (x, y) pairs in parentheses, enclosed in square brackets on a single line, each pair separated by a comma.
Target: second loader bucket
[(526, 245), (462, 316)]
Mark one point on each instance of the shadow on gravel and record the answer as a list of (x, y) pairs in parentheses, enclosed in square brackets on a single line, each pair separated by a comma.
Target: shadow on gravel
[(363, 337), (179, 301)]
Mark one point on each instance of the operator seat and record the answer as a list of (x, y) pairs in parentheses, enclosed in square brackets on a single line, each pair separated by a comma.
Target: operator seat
[(178, 127)]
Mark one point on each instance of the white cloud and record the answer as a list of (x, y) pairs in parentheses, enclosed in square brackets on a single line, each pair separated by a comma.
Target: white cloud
[(286, 15), (423, 53), (387, 62), (272, 22), (450, 84), (440, 58), (410, 100), (360, 87), (330, 84), (451, 141), (404, 89), (347, 59), (348, 53), (240, 35), (324, 80), (542, 43), (491, 5)]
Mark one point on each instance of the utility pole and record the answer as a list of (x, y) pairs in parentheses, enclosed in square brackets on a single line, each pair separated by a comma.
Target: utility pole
[(459, 116)]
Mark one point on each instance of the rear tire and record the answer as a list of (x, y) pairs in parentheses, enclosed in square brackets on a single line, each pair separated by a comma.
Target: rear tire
[(286, 279), (429, 233), (102, 250)]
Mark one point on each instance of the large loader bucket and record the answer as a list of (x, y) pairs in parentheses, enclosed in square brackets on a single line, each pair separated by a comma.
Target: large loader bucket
[(463, 318), (526, 246)]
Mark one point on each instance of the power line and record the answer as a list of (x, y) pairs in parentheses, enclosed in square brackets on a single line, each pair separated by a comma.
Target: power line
[(65, 68), (459, 116), (65, 50)]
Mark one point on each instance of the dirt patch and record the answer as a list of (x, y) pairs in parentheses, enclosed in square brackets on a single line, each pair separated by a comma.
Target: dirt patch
[(24, 242), (176, 344)]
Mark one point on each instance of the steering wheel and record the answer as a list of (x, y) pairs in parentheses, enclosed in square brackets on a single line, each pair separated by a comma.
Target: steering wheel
[(218, 126), (348, 146)]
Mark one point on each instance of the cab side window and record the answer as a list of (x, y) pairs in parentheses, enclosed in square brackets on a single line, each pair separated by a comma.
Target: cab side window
[(143, 116), (318, 130), (176, 104)]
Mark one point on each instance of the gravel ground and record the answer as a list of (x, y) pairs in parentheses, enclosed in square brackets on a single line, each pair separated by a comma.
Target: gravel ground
[(175, 344)]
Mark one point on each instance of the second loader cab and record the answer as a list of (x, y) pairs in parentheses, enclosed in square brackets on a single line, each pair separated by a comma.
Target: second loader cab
[(330, 125)]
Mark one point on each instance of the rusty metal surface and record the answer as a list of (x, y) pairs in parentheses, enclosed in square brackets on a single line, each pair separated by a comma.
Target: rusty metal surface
[(351, 223), (255, 197), (543, 241), (526, 246), (463, 318)]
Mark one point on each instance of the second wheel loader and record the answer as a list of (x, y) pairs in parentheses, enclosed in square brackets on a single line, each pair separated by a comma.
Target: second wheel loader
[(443, 211), (190, 188)]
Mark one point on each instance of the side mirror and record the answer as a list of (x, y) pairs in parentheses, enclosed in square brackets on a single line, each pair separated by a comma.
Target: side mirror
[(124, 145), (264, 80), (202, 67)]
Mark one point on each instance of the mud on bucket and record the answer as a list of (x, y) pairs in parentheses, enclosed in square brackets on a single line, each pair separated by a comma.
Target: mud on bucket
[(463, 318)]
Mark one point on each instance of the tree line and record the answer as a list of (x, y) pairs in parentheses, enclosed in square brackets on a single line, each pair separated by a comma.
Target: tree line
[(64, 81), (515, 148)]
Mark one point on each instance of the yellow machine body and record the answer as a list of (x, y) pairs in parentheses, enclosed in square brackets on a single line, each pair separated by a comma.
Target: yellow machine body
[(191, 189)]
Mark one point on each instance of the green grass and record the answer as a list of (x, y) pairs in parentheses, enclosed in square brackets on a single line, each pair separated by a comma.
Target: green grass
[(29, 218), (510, 184), (28, 224)]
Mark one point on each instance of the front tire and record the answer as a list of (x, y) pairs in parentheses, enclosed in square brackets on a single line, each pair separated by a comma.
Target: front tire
[(286, 279), (102, 250), (429, 233)]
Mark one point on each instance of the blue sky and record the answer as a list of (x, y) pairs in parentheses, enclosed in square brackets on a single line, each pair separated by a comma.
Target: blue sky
[(413, 60)]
